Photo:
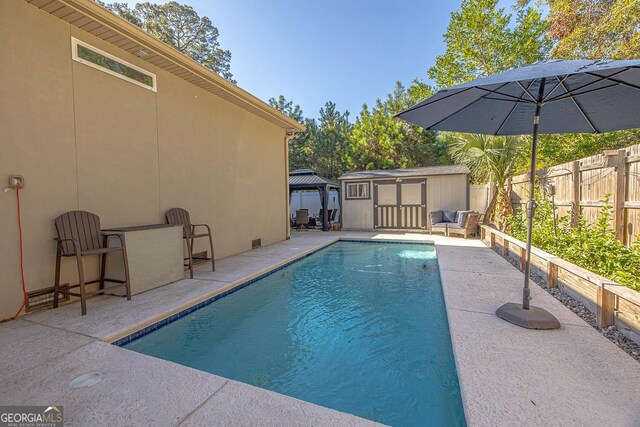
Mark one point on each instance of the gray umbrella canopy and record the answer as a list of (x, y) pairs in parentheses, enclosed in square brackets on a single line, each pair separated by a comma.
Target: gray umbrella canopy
[(549, 97), (579, 97)]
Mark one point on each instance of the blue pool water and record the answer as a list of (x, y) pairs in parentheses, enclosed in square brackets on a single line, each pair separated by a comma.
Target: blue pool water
[(358, 327)]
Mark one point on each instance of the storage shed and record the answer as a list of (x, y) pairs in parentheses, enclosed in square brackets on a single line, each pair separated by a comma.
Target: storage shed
[(401, 198)]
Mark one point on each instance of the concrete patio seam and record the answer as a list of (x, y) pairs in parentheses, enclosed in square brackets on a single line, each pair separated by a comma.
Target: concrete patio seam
[(52, 359), (25, 318), (455, 270), (204, 402), (492, 313)]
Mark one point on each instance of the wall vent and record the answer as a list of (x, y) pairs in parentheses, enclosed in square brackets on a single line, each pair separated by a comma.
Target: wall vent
[(43, 298), (256, 243), (199, 257)]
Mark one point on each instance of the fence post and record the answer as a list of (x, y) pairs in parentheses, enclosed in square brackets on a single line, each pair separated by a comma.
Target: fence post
[(619, 194), (492, 239), (552, 275), (505, 248), (575, 193), (606, 304)]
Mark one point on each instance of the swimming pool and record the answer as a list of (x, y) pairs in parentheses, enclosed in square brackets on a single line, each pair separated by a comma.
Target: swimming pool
[(358, 327)]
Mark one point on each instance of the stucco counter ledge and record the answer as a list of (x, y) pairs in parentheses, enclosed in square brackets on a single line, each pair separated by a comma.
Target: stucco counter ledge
[(155, 254)]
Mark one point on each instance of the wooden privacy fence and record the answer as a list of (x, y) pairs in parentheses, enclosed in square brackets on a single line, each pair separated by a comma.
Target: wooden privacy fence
[(479, 197), (583, 184), (612, 303)]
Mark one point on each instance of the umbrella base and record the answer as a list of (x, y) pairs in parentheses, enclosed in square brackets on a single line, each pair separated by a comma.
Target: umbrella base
[(534, 318)]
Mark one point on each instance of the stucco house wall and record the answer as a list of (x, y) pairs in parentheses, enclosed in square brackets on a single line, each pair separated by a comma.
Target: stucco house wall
[(84, 139)]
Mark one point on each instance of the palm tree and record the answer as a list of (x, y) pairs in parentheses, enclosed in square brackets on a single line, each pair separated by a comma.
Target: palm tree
[(490, 159)]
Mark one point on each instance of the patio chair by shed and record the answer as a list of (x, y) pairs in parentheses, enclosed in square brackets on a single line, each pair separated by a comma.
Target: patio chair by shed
[(470, 226), (79, 235), (179, 216), (437, 222), (302, 219)]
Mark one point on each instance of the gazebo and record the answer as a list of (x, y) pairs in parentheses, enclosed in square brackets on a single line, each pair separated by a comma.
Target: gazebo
[(308, 179)]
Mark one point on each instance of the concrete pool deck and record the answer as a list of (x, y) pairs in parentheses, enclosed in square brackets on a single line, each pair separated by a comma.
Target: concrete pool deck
[(508, 375)]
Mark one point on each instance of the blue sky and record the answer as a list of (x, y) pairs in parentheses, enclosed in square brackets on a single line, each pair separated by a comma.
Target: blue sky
[(349, 52)]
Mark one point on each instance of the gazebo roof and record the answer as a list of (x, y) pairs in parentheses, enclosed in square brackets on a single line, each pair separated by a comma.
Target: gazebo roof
[(308, 179)]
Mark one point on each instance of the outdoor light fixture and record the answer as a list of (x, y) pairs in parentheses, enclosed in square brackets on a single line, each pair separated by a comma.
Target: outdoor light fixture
[(142, 54), (551, 189)]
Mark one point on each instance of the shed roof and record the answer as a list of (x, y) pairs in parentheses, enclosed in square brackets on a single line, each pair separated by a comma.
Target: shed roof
[(100, 22), (406, 173), (308, 178)]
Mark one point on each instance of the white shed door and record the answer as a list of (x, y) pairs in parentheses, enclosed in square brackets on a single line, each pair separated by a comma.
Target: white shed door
[(400, 204)]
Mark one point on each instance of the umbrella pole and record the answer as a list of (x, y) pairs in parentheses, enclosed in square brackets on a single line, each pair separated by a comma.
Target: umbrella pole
[(524, 315), (531, 204)]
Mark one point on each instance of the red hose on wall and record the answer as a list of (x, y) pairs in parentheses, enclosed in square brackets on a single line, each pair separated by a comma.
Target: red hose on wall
[(24, 289)]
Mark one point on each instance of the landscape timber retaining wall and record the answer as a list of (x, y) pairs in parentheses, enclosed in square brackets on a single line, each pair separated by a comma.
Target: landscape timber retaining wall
[(612, 303)]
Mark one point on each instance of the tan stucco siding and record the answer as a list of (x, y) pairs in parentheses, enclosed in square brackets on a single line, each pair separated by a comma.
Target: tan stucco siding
[(117, 150), (228, 165), (84, 139)]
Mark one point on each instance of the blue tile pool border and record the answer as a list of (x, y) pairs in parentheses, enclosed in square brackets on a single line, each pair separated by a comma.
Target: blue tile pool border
[(170, 319)]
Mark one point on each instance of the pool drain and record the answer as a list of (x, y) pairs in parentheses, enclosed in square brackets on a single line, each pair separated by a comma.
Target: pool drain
[(86, 380)]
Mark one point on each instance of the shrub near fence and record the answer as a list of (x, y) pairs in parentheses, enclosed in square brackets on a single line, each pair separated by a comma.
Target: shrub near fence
[(582, 185), (612, 303), (591, 246)]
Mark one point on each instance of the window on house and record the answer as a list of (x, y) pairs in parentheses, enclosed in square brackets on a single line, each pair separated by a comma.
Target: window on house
[(100, 60), (358, 190)]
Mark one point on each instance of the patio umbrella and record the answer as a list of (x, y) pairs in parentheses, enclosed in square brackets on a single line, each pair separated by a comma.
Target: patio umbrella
[(548, 97)]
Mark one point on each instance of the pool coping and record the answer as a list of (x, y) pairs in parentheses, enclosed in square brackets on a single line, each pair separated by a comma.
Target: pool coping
[(510, 375)]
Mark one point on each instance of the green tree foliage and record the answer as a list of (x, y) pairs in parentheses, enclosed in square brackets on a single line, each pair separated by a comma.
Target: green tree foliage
[(331, 145), (380, 141), (483, 39), (287, 107), (331, 142), (325, 145), (591, 246), (557, 149), (591, 29), (490, 159), (180, 26), (301, 145), (595, 29)]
